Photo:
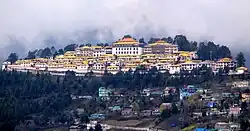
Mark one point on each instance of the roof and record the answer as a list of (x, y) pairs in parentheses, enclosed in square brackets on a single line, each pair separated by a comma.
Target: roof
[(127, 41), (225, 60), (189, 62), (96, 46), (161, 42), (242, 68), (84, 47)]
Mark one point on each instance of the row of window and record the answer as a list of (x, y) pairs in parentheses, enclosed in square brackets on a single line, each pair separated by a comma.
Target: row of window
[(127, 48), (131, 52)]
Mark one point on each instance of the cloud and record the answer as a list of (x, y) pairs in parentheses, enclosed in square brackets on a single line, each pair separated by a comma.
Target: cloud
[(33, 22)]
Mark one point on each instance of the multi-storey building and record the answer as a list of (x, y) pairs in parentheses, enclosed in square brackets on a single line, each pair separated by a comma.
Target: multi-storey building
[(123, 55), (226, 62), (127, 46), (160, 47), (98, 51), (108, 50), (84, 51)]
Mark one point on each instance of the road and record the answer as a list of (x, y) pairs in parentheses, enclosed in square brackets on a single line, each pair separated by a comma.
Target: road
[(106, 127)]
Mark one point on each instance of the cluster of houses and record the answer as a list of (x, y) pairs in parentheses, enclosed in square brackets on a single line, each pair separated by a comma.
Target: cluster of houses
[(122, 55), (224, 107), (220, 106)]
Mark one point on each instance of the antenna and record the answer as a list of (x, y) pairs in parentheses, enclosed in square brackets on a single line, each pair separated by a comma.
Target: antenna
[(210, 53)]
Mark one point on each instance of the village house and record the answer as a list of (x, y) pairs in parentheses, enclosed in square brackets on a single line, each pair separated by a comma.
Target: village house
[(234, 111), (240, 84), (127, 112)]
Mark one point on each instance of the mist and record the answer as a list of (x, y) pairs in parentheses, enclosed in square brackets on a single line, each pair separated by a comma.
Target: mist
[(30, 24)]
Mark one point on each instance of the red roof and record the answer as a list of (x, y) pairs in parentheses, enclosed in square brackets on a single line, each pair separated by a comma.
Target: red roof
[(127, 40)]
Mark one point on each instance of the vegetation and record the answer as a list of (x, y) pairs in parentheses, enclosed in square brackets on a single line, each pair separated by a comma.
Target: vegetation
[(241, 60), (43, 96), (205, 50), (12, 57)]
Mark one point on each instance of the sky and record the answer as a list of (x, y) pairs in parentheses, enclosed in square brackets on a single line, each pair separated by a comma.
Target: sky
[(30, 24)]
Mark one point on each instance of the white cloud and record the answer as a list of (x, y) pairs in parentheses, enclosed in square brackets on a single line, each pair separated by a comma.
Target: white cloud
[(223, 21)]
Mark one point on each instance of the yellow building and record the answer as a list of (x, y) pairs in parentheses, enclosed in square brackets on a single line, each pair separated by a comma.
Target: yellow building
[(160, 47), (225, 62)]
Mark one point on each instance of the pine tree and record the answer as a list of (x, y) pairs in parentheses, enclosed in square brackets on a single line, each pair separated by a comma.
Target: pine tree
[(240, 60)]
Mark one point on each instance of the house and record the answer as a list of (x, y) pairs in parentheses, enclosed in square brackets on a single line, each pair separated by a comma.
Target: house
[(221, 125), (241, 70), (165, 106), (127, 112), (104, 93), (146, 113), (149, 91), (227, 126), (115, 108), (226, 62), (245, 97), (160, 47), (240, 84), (156, 112), (169, 90), (97, 116), (234, 110)]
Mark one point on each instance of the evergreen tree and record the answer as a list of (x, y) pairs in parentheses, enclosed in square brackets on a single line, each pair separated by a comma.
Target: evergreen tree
[(70, 47), (240, 60), (12, 57), (60, 52), (46, 53), (127, 36), (31, 55)]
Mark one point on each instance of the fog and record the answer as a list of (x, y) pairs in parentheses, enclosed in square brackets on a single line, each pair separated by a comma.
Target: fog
[(29, 24)]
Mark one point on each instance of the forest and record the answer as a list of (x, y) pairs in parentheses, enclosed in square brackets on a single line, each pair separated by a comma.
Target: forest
[(41, 96)]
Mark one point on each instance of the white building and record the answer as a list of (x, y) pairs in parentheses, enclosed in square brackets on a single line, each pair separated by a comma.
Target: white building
[(127, 46), (174, 69), (5, 64), (226, 62), (189, 65), (98, 51)]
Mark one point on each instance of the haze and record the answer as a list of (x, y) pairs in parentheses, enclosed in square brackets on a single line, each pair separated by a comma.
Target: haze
[(29, 24)]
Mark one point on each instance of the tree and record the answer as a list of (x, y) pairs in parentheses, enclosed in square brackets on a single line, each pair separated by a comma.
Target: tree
[(168, 39), (153, 40), (60, 52), (165, 114), (84, 118), (31, 54), (127, 36), (224, 52), (12, 57), (182, 42), (106, 44), (98, 127), (174, 108), (70, 47), (141, 40), (81, 45), (89, 45), (46, 53), (240, 60)]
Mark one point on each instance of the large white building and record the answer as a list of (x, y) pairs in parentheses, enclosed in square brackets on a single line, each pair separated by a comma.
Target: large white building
[(127, 46), (226, 62)]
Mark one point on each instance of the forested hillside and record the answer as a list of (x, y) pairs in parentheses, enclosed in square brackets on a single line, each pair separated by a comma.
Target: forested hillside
[(42, 97)]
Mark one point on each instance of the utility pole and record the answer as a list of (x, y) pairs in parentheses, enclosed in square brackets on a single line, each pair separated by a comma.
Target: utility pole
[(210, 54)]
